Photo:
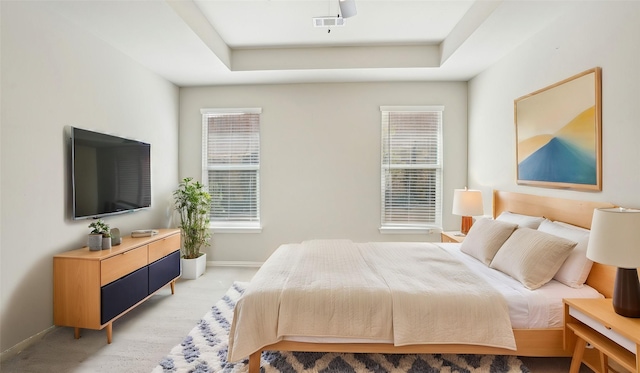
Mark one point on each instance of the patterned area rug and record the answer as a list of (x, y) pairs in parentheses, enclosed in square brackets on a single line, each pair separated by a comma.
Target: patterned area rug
[(204, 350)]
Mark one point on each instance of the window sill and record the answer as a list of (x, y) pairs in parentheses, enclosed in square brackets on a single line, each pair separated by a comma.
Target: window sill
[(235, 229), (409, 230)]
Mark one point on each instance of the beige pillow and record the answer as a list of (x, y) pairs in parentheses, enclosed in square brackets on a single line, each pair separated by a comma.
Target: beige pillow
[(485, 238), (575, 270), (532, 257)]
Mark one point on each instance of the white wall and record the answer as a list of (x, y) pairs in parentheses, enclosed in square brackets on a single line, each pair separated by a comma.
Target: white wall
[(320, 157), (54, 75), (597, 33)]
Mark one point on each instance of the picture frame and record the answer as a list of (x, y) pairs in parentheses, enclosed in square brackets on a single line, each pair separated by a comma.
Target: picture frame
[(558, 134)]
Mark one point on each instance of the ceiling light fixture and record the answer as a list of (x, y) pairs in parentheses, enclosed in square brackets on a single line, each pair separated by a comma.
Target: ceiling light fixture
[(348, 8)]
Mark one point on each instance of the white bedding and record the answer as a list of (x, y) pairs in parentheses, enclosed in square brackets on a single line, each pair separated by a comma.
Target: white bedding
[(540, 308), (528, 309), (409, 293)]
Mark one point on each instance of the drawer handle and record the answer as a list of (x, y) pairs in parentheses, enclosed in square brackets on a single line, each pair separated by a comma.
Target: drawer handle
[(608, 327)]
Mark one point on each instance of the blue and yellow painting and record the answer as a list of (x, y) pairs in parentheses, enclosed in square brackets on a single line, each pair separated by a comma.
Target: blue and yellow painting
[(566, 156), (557, 134)]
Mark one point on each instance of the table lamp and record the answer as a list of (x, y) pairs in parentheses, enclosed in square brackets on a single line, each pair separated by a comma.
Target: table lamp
[(615, 241), (468, 203)]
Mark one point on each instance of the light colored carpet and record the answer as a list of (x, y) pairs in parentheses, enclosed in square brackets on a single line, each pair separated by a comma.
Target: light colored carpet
[(144, 336)]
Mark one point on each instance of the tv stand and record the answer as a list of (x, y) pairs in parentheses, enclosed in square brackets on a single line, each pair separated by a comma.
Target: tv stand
[(92, 289)]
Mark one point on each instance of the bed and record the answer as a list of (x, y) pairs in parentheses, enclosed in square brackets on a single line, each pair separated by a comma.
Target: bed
[(545, 340)]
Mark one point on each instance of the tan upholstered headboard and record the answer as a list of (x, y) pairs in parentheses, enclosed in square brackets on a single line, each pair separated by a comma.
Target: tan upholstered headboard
[(569, 211)]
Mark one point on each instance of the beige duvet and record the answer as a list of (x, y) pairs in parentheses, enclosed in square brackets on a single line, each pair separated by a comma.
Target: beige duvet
[(406, 293)]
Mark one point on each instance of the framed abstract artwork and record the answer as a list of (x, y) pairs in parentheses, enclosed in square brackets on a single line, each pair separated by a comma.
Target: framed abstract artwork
[(558, 134)]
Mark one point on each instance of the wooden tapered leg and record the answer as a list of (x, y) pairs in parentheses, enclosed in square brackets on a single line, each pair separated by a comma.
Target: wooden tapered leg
[(604, 363), (109, 332), (578, 354), (76, 333), (254, 362), (173, 287)]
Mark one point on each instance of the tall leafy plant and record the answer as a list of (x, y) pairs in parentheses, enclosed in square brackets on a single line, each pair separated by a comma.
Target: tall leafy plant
[(192, 202)]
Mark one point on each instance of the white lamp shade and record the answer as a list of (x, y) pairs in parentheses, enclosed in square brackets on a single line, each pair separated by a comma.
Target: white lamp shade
[(467, 202), (615, 237), (348, 8)]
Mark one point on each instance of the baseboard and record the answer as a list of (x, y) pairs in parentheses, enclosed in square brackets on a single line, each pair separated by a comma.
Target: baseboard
[(19, 347), (228, 263)]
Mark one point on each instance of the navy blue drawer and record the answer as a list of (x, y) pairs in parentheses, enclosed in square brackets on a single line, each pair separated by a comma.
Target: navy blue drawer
[(164, 270), (121, 294)]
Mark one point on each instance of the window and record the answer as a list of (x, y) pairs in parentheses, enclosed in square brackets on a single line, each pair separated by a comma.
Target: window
[(231, 167), (411, 168)]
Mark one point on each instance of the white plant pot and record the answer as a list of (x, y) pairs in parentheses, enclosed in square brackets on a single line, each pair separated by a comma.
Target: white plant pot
[(193, 268)]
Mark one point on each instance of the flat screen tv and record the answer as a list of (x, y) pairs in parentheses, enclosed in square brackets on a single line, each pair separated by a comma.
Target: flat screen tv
[(109, 174)]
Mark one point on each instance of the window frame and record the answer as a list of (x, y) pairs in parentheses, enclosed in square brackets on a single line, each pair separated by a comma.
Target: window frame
[(389, 227), (254, 226)]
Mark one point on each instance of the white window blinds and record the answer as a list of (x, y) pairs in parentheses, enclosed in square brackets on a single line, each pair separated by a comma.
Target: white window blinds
[(411, 166), (231, 165)]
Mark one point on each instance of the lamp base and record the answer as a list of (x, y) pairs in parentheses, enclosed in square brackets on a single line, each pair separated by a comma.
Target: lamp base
[(467, 221), (626, 293)]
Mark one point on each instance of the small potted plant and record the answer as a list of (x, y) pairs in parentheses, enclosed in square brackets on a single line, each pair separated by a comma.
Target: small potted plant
[(192, 201), (101, 229)]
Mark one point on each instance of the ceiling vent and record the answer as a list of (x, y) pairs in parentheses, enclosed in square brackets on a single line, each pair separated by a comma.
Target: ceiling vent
[(328, 21)]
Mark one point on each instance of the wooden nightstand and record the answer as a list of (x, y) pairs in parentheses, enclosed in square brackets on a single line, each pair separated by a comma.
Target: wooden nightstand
[(451, 237), (613, 336)]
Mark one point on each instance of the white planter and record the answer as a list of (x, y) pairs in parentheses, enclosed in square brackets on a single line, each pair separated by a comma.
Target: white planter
[(191, 269)]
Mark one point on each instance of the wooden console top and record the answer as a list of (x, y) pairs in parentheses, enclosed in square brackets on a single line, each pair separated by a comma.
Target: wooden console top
[(127, 244)]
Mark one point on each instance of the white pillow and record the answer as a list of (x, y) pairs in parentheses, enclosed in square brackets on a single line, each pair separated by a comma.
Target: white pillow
[(485, 238), (571, 226), (532, 257), (523, 221), (575, 269)]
